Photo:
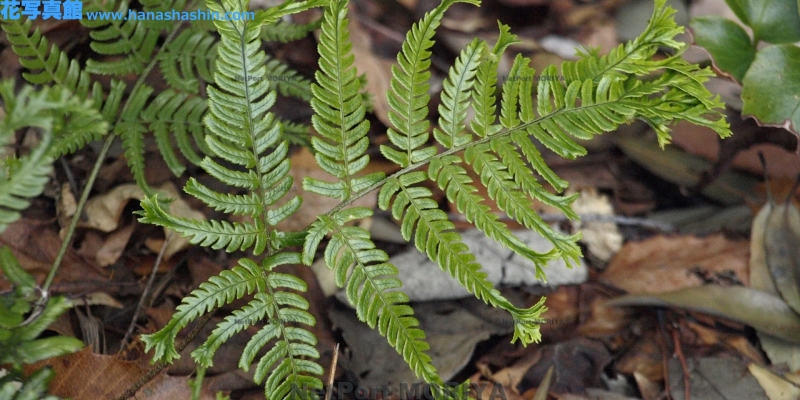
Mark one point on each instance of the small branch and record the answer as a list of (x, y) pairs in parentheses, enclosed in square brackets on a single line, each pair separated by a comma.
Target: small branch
[(146, 290)]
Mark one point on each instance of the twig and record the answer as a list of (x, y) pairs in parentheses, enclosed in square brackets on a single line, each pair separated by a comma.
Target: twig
[(75, 218), (332, 373), (161, 365), (679, 353), (146, 290), (662, 342)]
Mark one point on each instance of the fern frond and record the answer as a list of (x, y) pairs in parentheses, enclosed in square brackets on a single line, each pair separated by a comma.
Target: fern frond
[(51, 66), (455, 97), (286, 80), (369, 288), (242, 132), (296, 133), (219, 290), (48, 64), (508, 195), (132, 41), (285, 32), (193, 53), (54, 110), (435, 236), (486, 84), (339, 113), (132, 130), (178, 115), (408, 99)]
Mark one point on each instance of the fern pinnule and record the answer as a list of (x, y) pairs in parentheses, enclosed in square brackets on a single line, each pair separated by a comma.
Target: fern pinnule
[(287, 81), (483, 95)]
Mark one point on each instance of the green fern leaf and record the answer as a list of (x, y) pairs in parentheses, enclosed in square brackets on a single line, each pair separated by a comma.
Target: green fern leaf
[(130, 39), (408, 99), (54, 110), (177, 115), (339, 113), (229, 285), (369, 288), (455, 97), (192, 54), (285, 32), (214, 234), (287, 81)]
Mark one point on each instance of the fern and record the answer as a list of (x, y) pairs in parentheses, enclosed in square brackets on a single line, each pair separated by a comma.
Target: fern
[(132, 40), (285, 32), (243, 133), (24, 315), (576, 101), (45, 109), (596, 95)]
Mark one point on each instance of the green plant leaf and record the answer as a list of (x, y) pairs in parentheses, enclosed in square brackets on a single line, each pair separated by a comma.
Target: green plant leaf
[(773, 21), (771, 87), (726, 41)]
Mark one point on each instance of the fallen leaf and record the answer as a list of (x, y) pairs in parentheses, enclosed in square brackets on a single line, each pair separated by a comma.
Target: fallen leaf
[(103, 212), (779, 351), (644, 358), (777, 388), (714, 379), (782, 251), (649, 389), (577, 365), (763, 311), (114, 245), (665, 263)]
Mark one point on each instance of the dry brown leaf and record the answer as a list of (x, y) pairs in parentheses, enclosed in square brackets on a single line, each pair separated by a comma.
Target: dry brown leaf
[(605, 320), (103, 212), (35, 244), (664, 264), (512, 375), (766, 224), (114, 245), (644, 358), (85, 375), (705, 142)]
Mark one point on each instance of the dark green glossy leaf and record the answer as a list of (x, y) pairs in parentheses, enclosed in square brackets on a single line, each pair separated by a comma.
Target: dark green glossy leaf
[(771, 91), (727, 42), (773, 21)]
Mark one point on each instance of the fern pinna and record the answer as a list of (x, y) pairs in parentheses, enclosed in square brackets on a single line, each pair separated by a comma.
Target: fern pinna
[(578, 100)]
